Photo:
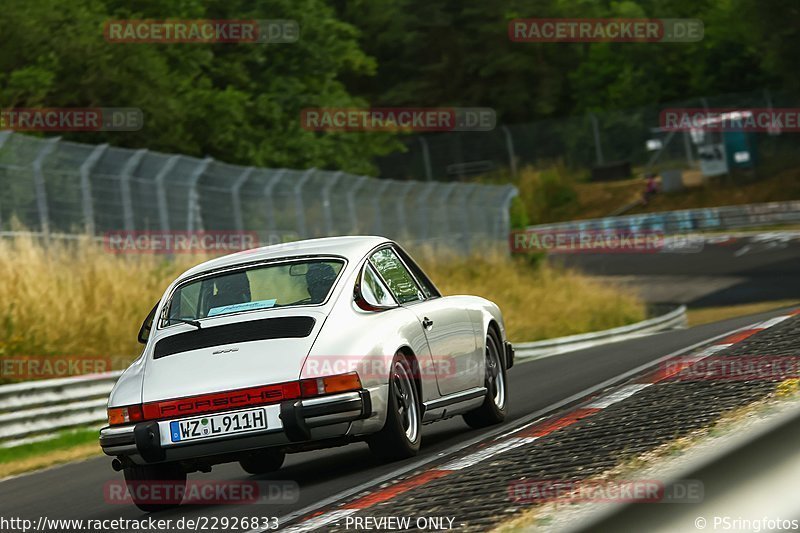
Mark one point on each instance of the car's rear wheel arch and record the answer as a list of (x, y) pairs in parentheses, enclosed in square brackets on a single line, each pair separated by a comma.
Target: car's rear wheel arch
[(493, 326), (401, 434), (413, 363)]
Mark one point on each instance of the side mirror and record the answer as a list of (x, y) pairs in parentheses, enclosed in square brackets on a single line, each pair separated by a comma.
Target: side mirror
[(147, 325)]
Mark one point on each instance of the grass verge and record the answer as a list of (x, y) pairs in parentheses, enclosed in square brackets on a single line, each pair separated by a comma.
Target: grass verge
[(708, 315), (66, 447)]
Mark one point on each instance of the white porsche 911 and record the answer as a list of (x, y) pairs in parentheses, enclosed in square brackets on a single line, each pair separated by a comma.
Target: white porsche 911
[(302, 346)]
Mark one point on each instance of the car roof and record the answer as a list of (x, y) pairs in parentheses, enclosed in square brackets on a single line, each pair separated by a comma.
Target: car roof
[(353, 248)]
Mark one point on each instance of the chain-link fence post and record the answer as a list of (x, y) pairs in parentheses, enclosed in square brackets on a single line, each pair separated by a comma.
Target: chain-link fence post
[(426, 157), (87, 201), (443, 199), (326, 202), (351, 203), (300, 212), (236, 197), (125, 188), (422, 201), (269, 205), (380, 190), (4, 136), (687, 147), (512, 158), (39, 184), (466, 232), (400, 206), (161, 191), (505, 219), (598, 150), (193, 207)]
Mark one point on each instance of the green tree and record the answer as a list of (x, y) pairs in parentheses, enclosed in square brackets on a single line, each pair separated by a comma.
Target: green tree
[(239, 103)]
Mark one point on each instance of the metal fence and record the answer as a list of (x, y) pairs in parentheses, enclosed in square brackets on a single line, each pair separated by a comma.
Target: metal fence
[(723, 218), (54, 186), (582, 142)]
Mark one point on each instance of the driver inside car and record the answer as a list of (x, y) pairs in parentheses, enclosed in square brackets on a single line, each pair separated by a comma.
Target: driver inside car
[(319, 279)]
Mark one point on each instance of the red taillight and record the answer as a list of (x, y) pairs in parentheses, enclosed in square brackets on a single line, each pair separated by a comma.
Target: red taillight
[(235, 399), (125, 415), (330, 384), (311, 387), (222, 401)]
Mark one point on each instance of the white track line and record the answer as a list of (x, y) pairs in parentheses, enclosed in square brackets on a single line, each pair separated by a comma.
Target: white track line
[(485, 453)]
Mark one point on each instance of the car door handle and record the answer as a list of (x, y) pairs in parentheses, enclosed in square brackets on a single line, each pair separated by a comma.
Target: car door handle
[(427, 323)]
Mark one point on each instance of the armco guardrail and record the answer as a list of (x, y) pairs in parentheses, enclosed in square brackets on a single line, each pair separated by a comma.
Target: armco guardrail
[(688, 220), (535, 350), (40, 407)]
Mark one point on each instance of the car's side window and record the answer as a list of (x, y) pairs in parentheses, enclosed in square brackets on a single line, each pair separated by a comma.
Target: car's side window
[(422, 279), (373, 290), (147, 325), (400, 281)]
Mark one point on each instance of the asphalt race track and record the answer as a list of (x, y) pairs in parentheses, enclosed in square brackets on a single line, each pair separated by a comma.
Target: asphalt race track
[(721, 270), (77, 490)]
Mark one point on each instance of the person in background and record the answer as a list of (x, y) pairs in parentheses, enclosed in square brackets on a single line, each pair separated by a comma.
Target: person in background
[(651, 187)]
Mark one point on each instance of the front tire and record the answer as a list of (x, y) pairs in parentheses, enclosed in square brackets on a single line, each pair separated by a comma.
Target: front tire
[(495, 405), (262, 462), (402, 433), (167, 480)]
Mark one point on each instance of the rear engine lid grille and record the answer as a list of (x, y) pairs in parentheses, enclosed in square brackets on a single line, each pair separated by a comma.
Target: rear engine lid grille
[(254, 330)]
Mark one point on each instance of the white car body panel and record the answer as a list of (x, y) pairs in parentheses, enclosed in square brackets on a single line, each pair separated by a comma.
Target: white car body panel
[(254, 363), (452, 342), (342, 331)]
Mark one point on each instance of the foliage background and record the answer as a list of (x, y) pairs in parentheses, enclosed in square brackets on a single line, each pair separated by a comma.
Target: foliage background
[(241, 103)]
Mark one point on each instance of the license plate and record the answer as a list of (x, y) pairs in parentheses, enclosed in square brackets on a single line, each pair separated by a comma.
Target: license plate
[(216, 425)]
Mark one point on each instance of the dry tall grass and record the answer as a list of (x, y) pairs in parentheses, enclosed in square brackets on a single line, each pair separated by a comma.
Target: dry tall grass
[(77, 299)]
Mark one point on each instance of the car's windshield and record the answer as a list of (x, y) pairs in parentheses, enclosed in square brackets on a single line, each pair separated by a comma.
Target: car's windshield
[(306, 282)]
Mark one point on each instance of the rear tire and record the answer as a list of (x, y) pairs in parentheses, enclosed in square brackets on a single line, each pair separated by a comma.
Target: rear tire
[(495, 405), (168, 480), (402, 433), (262, 462)]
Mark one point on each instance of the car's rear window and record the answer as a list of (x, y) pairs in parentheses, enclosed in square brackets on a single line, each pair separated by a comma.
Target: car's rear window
[(306, 282)]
